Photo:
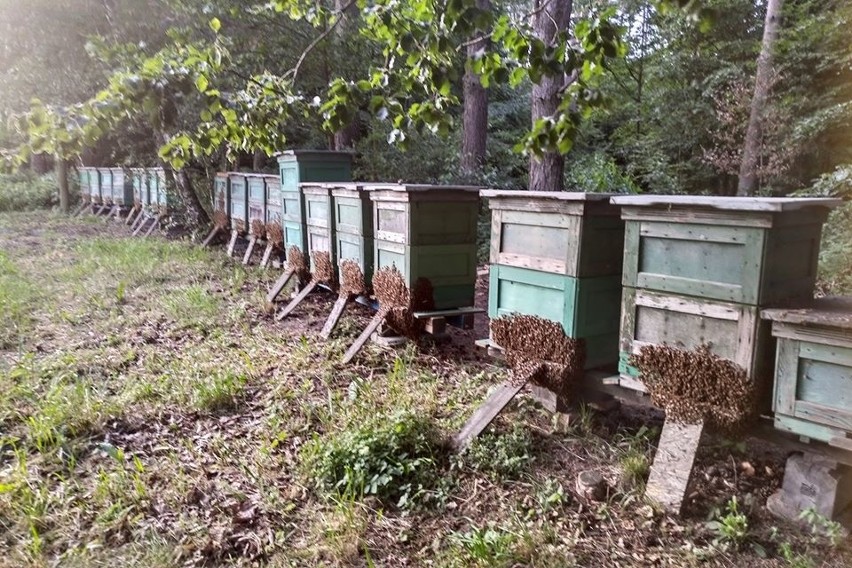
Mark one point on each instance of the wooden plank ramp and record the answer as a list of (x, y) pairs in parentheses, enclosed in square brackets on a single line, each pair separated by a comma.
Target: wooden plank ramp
[(288, 309), (672, 467), (279, 285), (210, 236), (232, 243), (131, 216), (371, 328), (249, 250), (335, 315), (140, 226), (486, 413), (153, 226), (267, 255)]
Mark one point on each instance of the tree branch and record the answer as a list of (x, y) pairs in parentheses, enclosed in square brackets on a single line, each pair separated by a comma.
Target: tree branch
[(318, 39)]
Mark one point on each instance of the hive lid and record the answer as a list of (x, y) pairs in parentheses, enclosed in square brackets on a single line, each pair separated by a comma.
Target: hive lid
[(559, 195), (415, 188), (833, 311), (756, 204), (290, 155)]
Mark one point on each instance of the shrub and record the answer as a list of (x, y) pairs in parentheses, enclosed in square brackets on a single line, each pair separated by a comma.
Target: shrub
[(27, 192), (391, 457), (835, 259)]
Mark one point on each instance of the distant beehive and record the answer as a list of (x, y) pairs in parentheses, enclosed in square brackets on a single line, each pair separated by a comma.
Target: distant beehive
[(272, 216), (428, 232), (256, 192), (121, 187), (105, 187), (222, 200), (140, 187), (352, 214), (558, 256), (239, 202)]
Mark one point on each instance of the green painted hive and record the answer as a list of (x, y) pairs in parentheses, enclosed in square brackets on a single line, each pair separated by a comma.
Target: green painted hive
[(140, 187), (353, 226), (813, 371), (698, 269), (222, 197), (558, 255), (83, 181), (274, 229), (166, 200), (428, 232), (319, 220), (256, 205), (122, 187), (239, 202), (301, 166), (105, 175)]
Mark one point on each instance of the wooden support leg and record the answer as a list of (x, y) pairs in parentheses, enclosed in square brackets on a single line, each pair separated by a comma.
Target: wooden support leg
[(100, 210), (213, 232), (672, 467), (279, 285), (232, 243), (249, 250), (267, 254), (131, 216), (142, 221), (486, 413), (153, 226), (297, 300), (334, 316), (117, 213), (79, 210), (365, 336)]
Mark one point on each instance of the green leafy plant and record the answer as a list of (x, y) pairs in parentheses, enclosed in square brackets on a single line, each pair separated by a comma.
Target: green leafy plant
[(504, 454), (731, 527), (485, 546), (391, 457)]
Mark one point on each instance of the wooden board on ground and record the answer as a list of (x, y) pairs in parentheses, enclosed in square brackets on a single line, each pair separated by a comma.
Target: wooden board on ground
[(672, 467), (279, 285), (364, 337), (212, 235), (249, 250), (335, 315), (267, 254), (140, 226), (486, 413), (153, 226), (131, 216), (232, 243), (297, 300)]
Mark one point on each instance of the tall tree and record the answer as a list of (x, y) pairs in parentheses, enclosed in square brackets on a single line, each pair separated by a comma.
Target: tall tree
[(475, 114), (550, 18), (747, 183)]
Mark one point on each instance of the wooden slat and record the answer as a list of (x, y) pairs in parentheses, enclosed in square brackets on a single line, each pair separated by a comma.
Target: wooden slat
[(448, 313), (249, 250), (822, 414), (140, 226), (786, 376), (486, 413), (212, 235), (672, 467), (232, 243), (371, 328), (711, 309), (823, 336), (288, 309), (267, 255), (836, 355), (698, 233), (747, 337), (279, 285), (335, 315), (153, 226), (690, 286), (131, 216)]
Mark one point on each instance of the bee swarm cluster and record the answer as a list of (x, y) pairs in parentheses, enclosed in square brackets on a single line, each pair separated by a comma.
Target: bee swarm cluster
[(323, 269), (539, 351), (297, 263), (258, 229), (275, 234), (399, 304), (696, 385), (351, 278)]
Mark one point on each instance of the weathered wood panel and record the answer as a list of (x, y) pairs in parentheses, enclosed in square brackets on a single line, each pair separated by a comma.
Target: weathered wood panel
[(239, 202)]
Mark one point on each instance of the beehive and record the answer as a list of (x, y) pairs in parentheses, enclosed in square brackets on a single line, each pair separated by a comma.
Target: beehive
[(319, 221), (301, 166), (256, 192), (140, 187), (122, 187), (353, 226), (698, 270), (558, 255), (239, 202), (105, 188), (274, 230), (428, 232), (166, 200), (222, 200), (813, 371)]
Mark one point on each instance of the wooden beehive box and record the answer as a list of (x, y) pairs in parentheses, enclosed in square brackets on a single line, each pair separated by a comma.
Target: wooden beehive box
[(105, 175), (166, 200), (813, 372), (558, 255), (222, 196), (83, 181), (122, 187), (353, 226), (698, 269), (274, 228), (319, 220), (140, 186), (300, 166), (428, 231), (256, 205), (239, 202)]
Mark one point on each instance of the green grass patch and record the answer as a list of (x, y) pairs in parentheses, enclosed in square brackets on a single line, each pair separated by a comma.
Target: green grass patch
[(18, 296), (28, 192)]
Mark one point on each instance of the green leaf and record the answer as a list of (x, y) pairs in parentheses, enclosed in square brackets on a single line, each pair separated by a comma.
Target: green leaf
[(202, 83), (215, 25)]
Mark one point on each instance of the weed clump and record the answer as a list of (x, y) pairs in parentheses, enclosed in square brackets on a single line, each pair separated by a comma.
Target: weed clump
[(393, 458), (504, 455)]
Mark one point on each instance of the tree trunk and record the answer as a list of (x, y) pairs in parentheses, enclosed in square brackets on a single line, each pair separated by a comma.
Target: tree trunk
[(475, 117), (546, 171), (196, 216), (762, 85), (62, 180), (258, 161), (345, 138)]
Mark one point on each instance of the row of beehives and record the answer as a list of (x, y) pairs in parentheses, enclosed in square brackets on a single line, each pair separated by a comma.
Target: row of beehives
[(427, 232), (735, 274), (138, 188)]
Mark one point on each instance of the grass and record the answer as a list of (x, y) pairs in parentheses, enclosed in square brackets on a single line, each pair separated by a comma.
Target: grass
[(153, 415), (28, 192)]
